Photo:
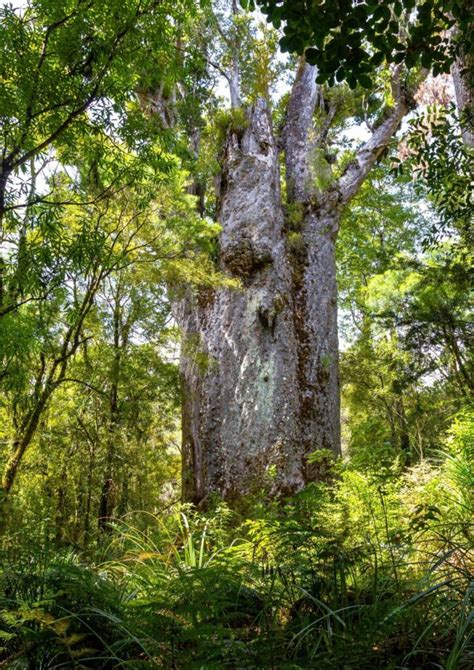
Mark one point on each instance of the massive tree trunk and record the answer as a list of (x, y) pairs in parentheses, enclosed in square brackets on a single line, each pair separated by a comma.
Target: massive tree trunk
[(239, 367), (260, 362)]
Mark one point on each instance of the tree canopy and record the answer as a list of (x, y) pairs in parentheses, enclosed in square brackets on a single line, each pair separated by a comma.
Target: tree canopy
[(348, 40)]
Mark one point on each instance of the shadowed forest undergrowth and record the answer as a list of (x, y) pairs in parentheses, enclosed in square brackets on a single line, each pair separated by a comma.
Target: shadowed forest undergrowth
[(369, 570)]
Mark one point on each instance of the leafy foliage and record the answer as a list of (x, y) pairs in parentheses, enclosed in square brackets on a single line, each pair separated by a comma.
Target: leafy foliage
[(405, 317), (434, 152), (367, 569), (348, 40)]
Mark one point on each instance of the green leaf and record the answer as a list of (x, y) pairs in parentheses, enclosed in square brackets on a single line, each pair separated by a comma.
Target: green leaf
[(377, 58), (312, 55), (365, 81)]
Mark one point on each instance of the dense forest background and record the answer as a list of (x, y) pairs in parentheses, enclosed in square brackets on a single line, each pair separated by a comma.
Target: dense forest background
[(122, 127)]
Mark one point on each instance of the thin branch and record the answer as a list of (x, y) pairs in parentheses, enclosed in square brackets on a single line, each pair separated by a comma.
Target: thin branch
[(83, 383), (11, 308)]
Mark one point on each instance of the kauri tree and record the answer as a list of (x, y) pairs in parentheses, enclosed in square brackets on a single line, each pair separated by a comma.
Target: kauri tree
[(260, 362)]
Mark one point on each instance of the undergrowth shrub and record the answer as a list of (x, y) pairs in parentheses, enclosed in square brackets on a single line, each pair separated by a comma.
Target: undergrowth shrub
[(370, 570), (59, 613)]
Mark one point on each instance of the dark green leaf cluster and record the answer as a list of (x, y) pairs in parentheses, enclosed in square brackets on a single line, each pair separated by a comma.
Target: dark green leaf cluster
[(347, 40), (442, 163)]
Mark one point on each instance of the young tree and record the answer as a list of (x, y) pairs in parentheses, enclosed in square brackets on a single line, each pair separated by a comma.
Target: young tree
[(95, 243)]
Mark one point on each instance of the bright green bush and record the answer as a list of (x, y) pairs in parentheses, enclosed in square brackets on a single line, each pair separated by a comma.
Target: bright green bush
[(369, 571)]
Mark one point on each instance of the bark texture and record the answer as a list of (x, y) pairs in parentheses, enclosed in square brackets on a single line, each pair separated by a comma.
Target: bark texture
[(260, 362), (314, 276), (462, 72), (239, 367)]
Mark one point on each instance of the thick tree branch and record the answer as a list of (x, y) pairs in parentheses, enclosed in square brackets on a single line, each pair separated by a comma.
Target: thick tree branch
[(358, 169), (297, 133), (463, 80)]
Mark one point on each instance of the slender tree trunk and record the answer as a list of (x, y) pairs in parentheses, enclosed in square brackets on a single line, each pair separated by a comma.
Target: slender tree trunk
[(107, 505), (403, 430), (20, 444), (108, 496), (90, 482), (61, 513), (121, 331), (5, 171), (393, 429)]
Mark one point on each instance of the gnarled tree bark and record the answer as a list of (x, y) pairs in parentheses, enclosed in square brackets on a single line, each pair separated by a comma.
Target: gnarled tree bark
[(240, 411), (260, 362)]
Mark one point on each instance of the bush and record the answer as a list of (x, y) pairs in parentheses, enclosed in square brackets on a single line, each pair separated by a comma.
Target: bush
[(371, 570)]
